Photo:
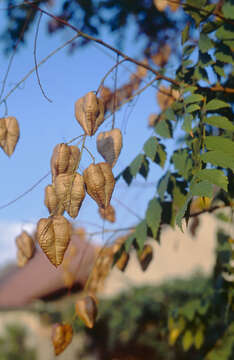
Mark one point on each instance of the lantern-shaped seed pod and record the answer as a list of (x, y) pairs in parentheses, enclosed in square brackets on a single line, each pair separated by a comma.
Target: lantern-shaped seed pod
[(123, 261), (61, 337), (109, 182), (53, 236), (108, 213), (73, 159), (25, 244), (100, 183), (89, 112), (77, 195), (145, 256), (52, 202), (63, 186), (60, 159), (86, 309), (109, 145), (21, 259), (12, 135)]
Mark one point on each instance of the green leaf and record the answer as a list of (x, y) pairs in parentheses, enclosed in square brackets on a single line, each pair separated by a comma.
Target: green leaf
[(203, 188), (141, 234), (217, 158), (144, 169), (153, 215), (136, 165), (205, 43), (150, 147), (200, 73), (187, 340), (162, 185), (213, 176), (219, 70), (128, 242), (170, 115), (199, 338), (219, 121), (193, 98), (226, 34), (182, 211), (164, 128), (127, 175), (190, 89), (187, 124), (161, 156), (182, 162), (185, 34), (223, 349), (220, 143), (216, 104), (205, 59), (192, 108), (228, 9)]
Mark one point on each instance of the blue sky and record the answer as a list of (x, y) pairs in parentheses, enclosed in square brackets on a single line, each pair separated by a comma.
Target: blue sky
[(65, 78)]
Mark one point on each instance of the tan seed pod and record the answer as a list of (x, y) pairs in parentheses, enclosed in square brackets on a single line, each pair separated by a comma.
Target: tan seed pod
[(89, 112), (108, 213), (95, 183), (61, 337), (142, 71), (145, 256), (86, 309), (123, 261), (73, 159), (161, 4), (160, 58), (53, 236), (25, 244), (60, 159), (21, 258), (52, 202), (12, 135), (63, 185), (109, 145), (77, 196), (109, 182), (174, 5)]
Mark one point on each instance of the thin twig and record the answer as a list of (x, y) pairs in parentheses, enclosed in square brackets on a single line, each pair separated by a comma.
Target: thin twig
[(108, 73), (115, 94), (35, 58), (38, 65), (111, 231), (127, 208), (93, 158)]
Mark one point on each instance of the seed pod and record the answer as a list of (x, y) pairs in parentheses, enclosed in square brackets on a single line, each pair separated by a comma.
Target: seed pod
[(109, 145), (145, 256), (61, 337), (77, 196), (21, 259), (161, 4), (63, 185), (53, 236), (123, 261), (73, 159), (11, 136), (25, 244), (51, 201), (100, 183), (60, 159), (89, 112), (86, 309), (108, 213)]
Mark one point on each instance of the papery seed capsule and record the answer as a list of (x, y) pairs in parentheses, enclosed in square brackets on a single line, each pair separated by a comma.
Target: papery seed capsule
[(21, 259), (62, 232), (61, 337), (107, 213), (25, 244), (12, 135), (123, 261), (109, 145), (3, 131), (63, 186), (109, 182), (60, 159), (95, 183), (52, 202), (145, 256), (73, 159), (86, 309), (89, 112), (77, 196)]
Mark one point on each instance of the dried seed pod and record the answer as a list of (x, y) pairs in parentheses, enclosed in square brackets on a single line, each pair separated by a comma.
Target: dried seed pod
[(53, 236), (161, 4), (52, 202), (3, 131), (160, 58), (109, 182), (100, 182), (25, 244), (123, 261), (142, 71), (77, 196), (61, 337), (21, 259), (86, 309), (145, 257), (63, 185), (109, 145), (73, 159), (89, 112), (60, 159), (12, 134), (108, 213)]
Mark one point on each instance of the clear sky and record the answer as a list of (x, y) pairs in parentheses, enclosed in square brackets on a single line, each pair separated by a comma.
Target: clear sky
[(65, 78)]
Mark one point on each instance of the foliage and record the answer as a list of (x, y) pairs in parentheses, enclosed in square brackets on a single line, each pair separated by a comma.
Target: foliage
[(13, 344)]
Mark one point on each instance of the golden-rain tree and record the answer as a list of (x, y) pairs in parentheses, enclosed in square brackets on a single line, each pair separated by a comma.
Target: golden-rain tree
[(197, 100)]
